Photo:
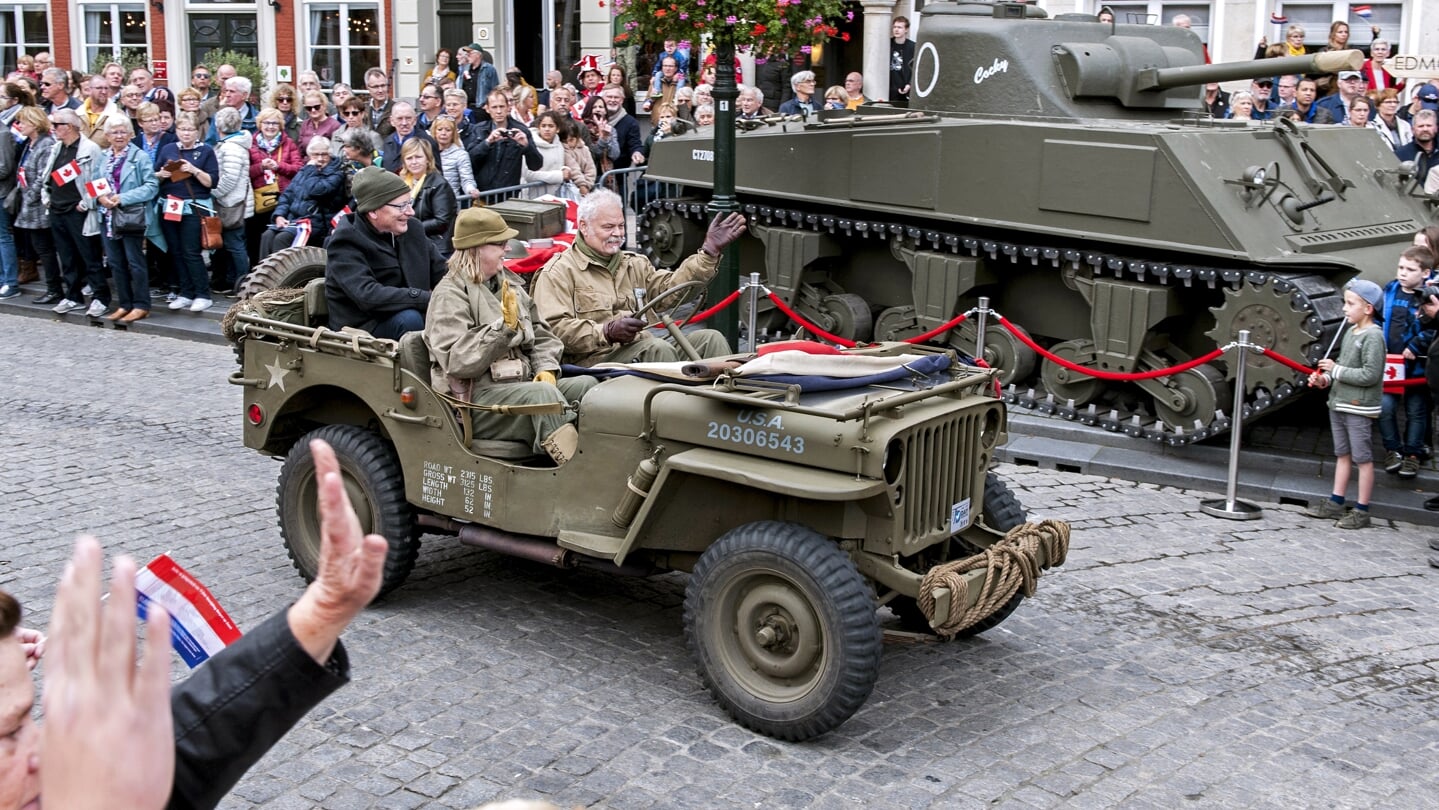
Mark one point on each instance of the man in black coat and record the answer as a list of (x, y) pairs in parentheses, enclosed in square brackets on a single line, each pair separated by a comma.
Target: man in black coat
[(503, 145), (626, 128), (403, 124), (381, 266)]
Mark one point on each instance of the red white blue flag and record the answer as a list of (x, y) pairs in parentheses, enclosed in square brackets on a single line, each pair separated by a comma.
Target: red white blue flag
[(65, 174), (21, 178), (335, 220), (1278, 19), (199, 627), (302, 232), (1362, 11)]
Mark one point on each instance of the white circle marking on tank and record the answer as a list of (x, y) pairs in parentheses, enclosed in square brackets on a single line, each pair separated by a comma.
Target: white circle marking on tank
[(929, 48)]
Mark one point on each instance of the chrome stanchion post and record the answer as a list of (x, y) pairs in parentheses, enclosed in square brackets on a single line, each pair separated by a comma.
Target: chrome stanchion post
[(1231, 508), (752, 318), (980, 327)]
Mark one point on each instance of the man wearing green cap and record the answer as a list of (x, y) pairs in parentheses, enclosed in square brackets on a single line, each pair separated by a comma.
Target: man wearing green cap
[(489, 347), (381, 266)]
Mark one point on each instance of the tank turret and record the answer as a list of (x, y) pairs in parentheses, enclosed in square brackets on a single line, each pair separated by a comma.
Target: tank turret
[(980, 58)]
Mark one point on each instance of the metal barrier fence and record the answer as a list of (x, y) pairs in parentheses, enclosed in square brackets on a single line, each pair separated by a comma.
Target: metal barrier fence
[(495, 195)]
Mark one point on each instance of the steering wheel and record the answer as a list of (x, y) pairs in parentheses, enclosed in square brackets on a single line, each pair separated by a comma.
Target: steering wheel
[(682, 293)]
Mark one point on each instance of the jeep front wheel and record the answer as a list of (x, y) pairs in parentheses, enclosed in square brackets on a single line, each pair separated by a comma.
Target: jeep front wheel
[(784, 629), (376, 487)]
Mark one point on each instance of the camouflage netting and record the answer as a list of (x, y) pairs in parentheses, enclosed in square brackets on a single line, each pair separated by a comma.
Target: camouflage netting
[(285, 304)]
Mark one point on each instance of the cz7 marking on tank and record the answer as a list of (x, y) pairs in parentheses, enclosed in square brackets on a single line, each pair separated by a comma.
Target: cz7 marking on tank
[(706, 155)]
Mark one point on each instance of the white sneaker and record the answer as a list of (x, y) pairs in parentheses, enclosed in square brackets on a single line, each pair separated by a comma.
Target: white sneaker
[(97, 308), (65, 305), (86, 290), (201, 304), (181, 302)]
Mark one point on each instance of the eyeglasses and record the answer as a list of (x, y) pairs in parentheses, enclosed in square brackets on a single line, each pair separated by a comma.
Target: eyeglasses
[(354, 112), (313, 107), (47, 84), (404, 206), (285, 99), (373, 87), (201, 76)]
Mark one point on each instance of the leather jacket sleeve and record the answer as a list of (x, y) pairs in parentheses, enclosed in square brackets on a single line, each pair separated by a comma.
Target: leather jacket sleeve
[(240, 703)]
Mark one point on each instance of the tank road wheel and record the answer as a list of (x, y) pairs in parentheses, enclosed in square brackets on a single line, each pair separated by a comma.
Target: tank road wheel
[(1273, 322), (376, 487), (848, 316), (1002, 350), (897, 323), (291, 267), (783, 628), (1199, 393), (1066, 384), (668, 236), (1002, 512)]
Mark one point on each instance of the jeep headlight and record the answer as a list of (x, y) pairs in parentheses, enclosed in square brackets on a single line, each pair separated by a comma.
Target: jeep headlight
[(893, 461)]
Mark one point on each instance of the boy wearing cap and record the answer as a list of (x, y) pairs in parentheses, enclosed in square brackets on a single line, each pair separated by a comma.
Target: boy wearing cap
[(488, 346), (380, 265), (1354, 382)]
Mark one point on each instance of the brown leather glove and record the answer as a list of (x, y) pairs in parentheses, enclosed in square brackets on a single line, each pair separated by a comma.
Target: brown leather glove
[(722, 231), (623, 329)]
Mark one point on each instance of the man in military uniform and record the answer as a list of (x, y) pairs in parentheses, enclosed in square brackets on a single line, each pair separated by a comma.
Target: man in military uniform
[(587, 294), (488, 346)]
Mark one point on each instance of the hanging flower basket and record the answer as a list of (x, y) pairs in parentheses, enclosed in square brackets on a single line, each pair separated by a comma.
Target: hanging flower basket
[(763, 24)]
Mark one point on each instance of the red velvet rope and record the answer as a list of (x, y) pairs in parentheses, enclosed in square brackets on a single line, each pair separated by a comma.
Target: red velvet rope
[(818, 332), (939, 330), (728, 299), (1109, 375)]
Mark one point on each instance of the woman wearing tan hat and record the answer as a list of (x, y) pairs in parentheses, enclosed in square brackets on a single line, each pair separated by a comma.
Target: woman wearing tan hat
[(488, 346)]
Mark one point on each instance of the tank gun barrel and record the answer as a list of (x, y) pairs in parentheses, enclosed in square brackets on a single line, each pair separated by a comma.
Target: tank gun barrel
[(1327, 62)]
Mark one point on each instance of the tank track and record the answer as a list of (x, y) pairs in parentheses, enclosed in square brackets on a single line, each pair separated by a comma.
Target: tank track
[(1303, 289)]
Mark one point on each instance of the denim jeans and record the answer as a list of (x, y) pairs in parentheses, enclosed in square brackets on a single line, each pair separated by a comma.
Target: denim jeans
[(406, 320), (239, 257), (183, 237), (76, 252), (9, 261), (126, 254), (1416, 421)]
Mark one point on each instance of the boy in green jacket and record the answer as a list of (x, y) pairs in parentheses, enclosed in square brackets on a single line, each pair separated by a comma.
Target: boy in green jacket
[(1355, 383)]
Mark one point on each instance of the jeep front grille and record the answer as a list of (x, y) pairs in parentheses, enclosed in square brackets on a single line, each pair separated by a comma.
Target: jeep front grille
[(939, 468)]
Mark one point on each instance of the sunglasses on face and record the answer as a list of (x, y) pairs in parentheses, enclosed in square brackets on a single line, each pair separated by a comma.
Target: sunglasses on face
[(354, 112), (313, 107), (285, 99)]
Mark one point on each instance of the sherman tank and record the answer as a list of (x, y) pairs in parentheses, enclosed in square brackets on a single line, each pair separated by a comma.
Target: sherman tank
[(1067, 170)]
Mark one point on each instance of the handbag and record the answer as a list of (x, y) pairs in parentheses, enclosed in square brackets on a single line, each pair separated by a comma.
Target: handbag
[(232, 216), (568, 191), (210, 233), (267, 197), (14, 200), (128, 219)]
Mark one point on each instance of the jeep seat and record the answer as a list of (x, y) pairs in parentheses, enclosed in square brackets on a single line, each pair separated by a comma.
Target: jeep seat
[(414, 357), (317, 312)]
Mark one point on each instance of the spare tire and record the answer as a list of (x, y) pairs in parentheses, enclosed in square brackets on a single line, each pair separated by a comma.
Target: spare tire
[(291, 267)]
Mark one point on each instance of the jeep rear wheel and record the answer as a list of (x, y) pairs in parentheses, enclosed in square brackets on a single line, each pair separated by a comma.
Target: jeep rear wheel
[(1002, 512), (784, 629), (291, 267), (376, 487)]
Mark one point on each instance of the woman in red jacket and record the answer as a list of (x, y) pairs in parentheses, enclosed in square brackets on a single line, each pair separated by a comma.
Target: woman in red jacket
[(274, 161)]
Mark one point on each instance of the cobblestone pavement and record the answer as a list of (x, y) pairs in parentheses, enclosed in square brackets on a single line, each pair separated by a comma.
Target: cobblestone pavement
[(1175, 659)]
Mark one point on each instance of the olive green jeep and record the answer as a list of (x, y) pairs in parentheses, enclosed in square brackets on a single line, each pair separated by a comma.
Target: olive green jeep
[(796, 512)]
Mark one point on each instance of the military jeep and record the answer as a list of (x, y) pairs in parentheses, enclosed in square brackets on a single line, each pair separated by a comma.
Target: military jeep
[(796, 512)]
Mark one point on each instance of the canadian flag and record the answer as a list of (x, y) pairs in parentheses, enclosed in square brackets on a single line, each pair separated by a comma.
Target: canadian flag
[(302, 232), (70, 171), (174, 209), (268, 176), (21, 178), (98, 188), (335, 220)]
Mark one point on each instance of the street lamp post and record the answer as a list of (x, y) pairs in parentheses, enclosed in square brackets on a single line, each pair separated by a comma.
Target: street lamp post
[(724, 200)]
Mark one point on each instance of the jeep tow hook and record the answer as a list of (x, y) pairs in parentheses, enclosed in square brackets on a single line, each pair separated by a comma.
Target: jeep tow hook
[(239, 378)]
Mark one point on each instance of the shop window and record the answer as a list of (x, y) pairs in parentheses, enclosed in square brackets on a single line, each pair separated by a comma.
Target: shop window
[(1157, 13), (114, 32), (1315, 19), (23, 29), (344, 41)]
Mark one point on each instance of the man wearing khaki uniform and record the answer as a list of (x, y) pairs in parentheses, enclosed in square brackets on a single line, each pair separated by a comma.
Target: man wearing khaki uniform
[(488, 347), (587, 293)]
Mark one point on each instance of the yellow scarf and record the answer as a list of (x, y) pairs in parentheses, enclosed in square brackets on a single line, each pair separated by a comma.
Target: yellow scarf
[(416, 184), (1292, 50)]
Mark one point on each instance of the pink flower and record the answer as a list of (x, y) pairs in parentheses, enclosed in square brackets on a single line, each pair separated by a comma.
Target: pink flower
[(731, 19), (805, 49), (849, 15), (684, 16)]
